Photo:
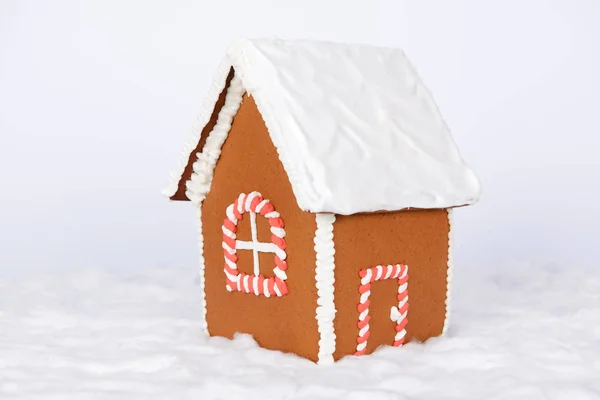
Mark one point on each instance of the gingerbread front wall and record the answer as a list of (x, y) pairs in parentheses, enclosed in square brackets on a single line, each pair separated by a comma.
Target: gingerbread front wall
[(249, 162)]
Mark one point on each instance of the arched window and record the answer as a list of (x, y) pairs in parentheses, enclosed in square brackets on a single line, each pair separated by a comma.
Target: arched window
[(254, 204)]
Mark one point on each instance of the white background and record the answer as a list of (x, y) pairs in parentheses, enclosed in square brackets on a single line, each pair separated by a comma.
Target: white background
[(96, 102), (97, 98)]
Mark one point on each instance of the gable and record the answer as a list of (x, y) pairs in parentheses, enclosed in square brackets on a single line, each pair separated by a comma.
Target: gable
[(249, 162), (355, 128)]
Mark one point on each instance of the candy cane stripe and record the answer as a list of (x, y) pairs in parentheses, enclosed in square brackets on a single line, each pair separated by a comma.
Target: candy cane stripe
[(231, 257), (260, 206), (246, 283), (388, 271), (399, 314), (249, 199), (255, 201), (267, 208), (282, 265), (231, 215), (229, 225), (230, 264), (280, 274), (276, 222), (279, 232)]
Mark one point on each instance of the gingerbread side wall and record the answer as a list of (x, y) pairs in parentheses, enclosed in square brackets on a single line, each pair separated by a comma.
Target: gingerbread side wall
[(418, 238), (249, 162)]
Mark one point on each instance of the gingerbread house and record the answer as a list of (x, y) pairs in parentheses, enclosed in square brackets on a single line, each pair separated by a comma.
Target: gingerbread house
[(323, 177)]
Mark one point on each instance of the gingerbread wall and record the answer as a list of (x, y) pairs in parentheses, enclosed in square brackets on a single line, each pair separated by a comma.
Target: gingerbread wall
[(418, 238), (249, 162)]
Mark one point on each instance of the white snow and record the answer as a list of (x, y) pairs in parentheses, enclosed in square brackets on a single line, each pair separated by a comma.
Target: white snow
[(522, 332), (342, 116)]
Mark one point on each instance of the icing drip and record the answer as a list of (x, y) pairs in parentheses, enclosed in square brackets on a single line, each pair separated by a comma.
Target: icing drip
[(450, 273), (397, 314), (325, 278), (201, 276), (203, 169)]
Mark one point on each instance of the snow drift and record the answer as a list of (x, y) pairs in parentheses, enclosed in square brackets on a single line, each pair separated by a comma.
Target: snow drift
[(522, 332)]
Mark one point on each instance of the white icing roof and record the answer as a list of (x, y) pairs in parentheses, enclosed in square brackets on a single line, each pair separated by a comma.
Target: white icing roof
[(355, 128)]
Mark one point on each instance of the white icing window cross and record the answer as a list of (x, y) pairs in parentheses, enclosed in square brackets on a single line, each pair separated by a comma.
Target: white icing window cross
[(255, 245)]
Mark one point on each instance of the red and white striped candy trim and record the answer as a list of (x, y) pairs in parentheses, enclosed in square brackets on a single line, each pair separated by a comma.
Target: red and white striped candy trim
[(257, 284), (368, 276)]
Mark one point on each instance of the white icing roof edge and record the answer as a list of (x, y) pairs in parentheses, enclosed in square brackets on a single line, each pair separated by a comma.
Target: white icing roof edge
[(211, 98), (354, 126)]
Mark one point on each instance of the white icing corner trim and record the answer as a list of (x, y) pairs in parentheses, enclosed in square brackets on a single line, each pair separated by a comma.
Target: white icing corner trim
[(450, 271), (201, 272), (325, 279), (204, 166)]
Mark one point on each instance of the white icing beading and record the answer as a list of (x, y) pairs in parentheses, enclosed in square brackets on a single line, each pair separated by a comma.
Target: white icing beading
[(208, 107), (201, 276), (203, 168), (325, 279), (450, 272)]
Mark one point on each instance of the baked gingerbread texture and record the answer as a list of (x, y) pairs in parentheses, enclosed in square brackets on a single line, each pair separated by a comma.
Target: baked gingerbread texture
[(324, 179)]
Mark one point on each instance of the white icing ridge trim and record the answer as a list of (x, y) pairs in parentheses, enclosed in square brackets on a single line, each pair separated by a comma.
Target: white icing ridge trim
[(208, 106), (201, 276), (325, 279), (203, 168), (450, 273)]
